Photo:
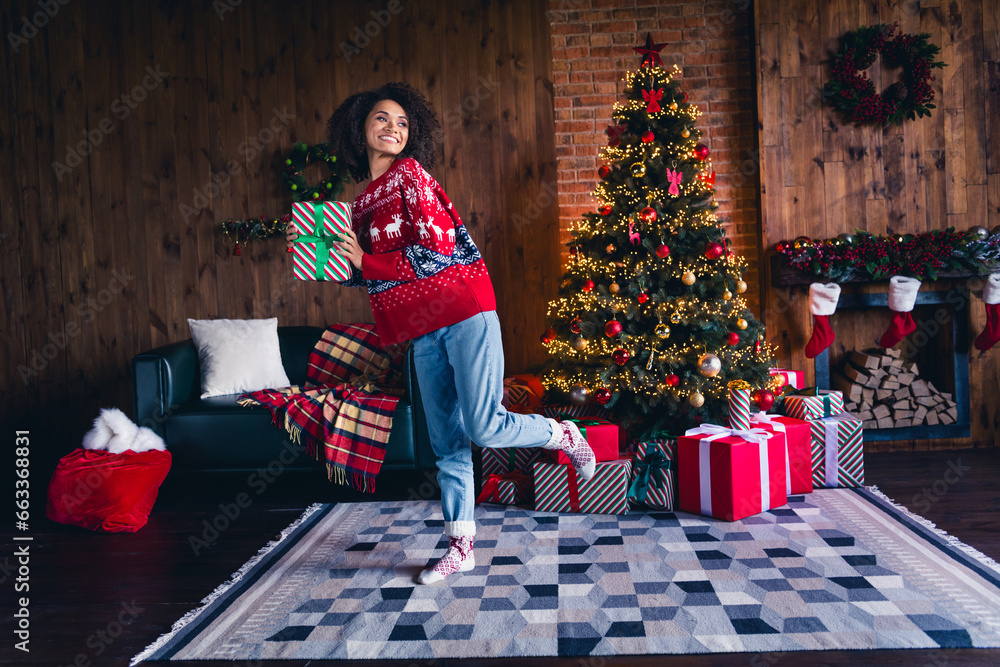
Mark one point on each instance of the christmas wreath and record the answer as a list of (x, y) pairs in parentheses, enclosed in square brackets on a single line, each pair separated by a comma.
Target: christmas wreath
[(853, 93), (295, 165)]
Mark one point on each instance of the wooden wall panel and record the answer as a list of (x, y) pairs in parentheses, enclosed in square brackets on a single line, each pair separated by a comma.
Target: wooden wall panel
[(244, 81), (928, 174)]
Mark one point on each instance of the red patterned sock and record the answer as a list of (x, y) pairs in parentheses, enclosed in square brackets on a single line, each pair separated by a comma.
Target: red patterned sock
[(458, 558)]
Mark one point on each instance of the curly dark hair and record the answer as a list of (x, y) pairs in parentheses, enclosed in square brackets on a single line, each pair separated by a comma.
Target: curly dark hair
[(345, 130)]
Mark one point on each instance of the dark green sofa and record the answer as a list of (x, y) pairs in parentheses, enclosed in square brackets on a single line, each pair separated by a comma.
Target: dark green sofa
[(216, 434)]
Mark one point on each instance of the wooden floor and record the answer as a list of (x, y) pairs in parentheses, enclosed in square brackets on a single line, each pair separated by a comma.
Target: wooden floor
[(84, 584)]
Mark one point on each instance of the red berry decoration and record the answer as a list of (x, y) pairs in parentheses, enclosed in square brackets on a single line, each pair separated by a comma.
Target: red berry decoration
[(602, 395), (648, 136), (648, 214), (612, 328), (603, 171), (642, 298), (662, 251), (548, 336), (714, 251), (671, 380), (763, 399), (587, 285), (605, 209), (733, 338), (701, 150), (620, 356)]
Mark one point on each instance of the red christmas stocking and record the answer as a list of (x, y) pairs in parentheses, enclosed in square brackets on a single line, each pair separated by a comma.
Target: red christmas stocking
[(902, 297), (991, 297), (822, 303)]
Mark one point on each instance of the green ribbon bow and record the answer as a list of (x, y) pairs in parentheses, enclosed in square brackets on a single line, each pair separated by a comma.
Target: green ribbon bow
[(654, 460), (323, 242), (814, 392), (582, 424)]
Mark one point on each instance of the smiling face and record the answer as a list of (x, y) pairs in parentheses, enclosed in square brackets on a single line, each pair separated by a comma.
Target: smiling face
[(386, 129)]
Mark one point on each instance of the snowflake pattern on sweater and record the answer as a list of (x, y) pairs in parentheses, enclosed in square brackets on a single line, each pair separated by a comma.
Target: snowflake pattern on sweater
[(422, 269)]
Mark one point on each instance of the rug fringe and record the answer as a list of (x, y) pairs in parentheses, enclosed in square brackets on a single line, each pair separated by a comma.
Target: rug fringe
[(952, 541), (234, 579)]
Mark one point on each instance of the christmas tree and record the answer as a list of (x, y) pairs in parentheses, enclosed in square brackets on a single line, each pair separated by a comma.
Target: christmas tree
[(650, 321)]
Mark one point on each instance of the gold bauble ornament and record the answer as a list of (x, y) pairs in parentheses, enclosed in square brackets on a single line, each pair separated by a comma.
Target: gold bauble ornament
[(639, 169), (709, 365), (741, 324), (611, 248), (614, 288), (741, 286), (662, 331), (688, 278), (685, 133), (727, 295), (675, 317), (580, 344), (673, 106), (696, 399)]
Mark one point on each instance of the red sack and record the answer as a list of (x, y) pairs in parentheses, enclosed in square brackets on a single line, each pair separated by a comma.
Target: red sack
[(100, 491)]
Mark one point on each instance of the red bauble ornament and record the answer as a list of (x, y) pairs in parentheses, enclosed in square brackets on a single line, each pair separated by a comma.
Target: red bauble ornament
[(548, 336), (605, 209), (587, 285), (733, 338), (642, 298), (671, 380), (757, 347), (603, 171), (701, 151), (648, 136), (574, 325), (612, 328), (602, 395), (684, 96), (763, 399), (620, 356), (662, 251), (648, 214), (714, 251), (237, 250)]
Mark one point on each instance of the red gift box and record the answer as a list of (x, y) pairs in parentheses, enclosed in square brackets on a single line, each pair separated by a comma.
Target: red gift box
[(796, 379), (798, 449), (730, 474), (510, 488), (98, 490), (522, 394), (602, 436)]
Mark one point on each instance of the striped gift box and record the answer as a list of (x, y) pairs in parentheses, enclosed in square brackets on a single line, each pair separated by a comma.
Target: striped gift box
[(838, 453), (512, 488), (509, 459), (557, 411), (739, 409), (314, 255), (558, 488), (654, 474), (816, 404)]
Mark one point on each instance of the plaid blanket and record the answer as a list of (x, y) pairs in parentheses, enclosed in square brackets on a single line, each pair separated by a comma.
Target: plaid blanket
[(343, 414)]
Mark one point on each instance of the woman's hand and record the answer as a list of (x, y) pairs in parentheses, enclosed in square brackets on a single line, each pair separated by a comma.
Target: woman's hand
[(350, 248), (290, 235)]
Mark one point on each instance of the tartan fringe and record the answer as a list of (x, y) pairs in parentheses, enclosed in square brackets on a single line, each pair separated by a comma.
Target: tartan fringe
[(338, 475), (254, 403)]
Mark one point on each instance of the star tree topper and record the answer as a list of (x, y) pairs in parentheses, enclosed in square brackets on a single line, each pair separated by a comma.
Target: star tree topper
[(650, 52)]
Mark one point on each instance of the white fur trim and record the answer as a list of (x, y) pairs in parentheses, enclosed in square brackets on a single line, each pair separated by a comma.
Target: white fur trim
[(147, 440), (99, 436), (115, 433), (459, 528), (553, 442), (823, 298), (991, 291), (903, 293)]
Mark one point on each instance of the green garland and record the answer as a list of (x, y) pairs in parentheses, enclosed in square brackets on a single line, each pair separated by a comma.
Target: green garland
[(245, 231), (864, 256), (301, 157)]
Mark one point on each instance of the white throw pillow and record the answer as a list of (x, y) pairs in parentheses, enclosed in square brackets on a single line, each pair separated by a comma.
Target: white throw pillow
[(237, 356)]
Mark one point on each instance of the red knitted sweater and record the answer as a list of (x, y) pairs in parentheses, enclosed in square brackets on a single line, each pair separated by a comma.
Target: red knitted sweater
[(421, 268)]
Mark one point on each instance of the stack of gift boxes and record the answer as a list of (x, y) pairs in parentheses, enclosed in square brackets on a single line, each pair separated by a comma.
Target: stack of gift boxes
[(750, 466)]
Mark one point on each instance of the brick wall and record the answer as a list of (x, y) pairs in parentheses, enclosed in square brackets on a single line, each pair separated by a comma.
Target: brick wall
[(592, 44)]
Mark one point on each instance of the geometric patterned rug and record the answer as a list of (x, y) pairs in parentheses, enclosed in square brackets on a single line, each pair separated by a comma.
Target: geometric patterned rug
[(835, 569)]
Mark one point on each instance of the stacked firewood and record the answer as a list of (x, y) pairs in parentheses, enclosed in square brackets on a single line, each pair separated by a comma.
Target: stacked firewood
[(885, 391)]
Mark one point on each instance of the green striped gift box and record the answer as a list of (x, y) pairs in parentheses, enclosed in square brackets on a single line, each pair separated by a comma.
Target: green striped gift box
[(837, 451), (815, 404), (654, 474), (559, 488), (314, 253)]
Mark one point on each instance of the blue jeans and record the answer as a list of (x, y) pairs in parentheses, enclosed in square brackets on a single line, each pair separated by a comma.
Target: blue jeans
[(460, 373)]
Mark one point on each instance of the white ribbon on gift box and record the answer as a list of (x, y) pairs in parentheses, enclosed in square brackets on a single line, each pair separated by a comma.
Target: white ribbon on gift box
[(832, 450), (757, 436), (778, 428)]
